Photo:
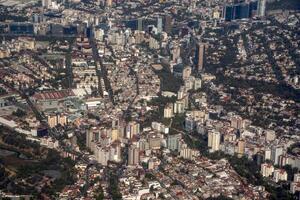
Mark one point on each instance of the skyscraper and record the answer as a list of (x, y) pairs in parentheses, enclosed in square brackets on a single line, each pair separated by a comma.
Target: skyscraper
[(159, 24), (240, 10), (236, 122), (46, 3), (168, 24), (133, 155), (214, 140), (168, 111), (132, 129), (276, 151), (140, 24), (173, 142), (261, 10), (228, 13), (102, 154), (108, 3), (241, 147), (199, 56), (175, 53)]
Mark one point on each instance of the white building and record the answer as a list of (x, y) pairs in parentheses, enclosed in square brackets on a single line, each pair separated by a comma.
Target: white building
[(280, 175), (266, 169)]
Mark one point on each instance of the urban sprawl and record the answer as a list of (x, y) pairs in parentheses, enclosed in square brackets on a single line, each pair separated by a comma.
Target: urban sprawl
[(150, 99)]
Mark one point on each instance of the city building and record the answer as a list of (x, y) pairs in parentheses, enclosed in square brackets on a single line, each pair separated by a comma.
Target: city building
[(173, 142), (159, 24), (270, 135), (109, 3), (132, 129), (46, 3), (266, 169), (276, 151), (167, 23), (133, 155), (168, 111), (261, 8), (295, 185), (214, 140), (55, 119), (188, 153), (241, 147), (280, 175), (200, 56), (140, 24), (237, 122), (242, 10)]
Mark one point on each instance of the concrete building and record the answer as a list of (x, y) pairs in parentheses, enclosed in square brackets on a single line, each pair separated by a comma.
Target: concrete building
[(186, 73), (175, 53), (214, 140), (159, 24), (154, 141), (109, 3), (188, 153), (46, 3), (280, 175), (295, 185), (197, 83), (132, 128), (179, 106), (56, 119), (133, 155), (173, 142), (266, 169), (270, 135), (267, 154), (236, 122), (102, 154), (241, 148), (168, 111), (199, 56), (140, 24), (276, 151), (261, 8), (168, 24)]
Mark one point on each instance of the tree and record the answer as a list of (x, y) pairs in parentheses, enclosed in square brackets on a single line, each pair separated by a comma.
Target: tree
[(19, 113), (113, 187), (100, 194)]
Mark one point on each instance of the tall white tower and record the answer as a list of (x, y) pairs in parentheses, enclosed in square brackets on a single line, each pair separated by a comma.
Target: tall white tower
[(261, 8)]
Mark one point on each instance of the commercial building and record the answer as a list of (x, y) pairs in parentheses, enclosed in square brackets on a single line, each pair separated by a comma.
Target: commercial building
[(199, 56), (133, 155), (214, 140), (276, 151), (132, 128), (173, 142), (241, 147), (168, 111), (261, 8), (55, 119), (280, 175), (240, 10), (266, 169)]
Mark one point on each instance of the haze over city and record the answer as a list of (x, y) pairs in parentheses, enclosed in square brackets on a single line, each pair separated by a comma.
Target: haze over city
[(150, 99)]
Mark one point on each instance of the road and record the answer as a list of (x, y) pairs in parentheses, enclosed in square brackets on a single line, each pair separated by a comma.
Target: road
[(127, 111), (103, 73), (38, 115)]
